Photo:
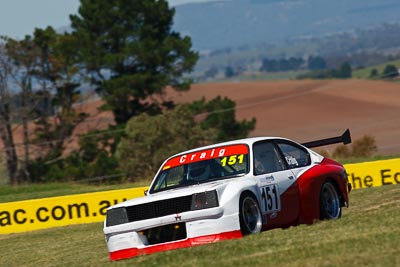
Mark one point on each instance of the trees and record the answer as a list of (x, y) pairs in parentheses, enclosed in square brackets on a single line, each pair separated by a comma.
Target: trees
[(35, 71), (6, 134), (151, 139), (360, 148), (130, 55), (128, 52), (374, 74), (59, 71), (219, 113), (316, 63), (229, 72), (272, 65), (390, 71), (344, 71), (131, 52), (18, 62)]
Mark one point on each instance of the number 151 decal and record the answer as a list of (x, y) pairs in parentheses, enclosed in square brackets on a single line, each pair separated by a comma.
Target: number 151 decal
[(270, 198)]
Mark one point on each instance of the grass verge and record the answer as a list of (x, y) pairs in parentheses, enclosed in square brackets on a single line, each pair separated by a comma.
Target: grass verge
[(368, 234), (364, 73), (368, 159), (33, 191)]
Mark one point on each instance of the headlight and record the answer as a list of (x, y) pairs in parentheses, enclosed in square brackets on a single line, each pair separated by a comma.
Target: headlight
[(116, 216), (204, 200)]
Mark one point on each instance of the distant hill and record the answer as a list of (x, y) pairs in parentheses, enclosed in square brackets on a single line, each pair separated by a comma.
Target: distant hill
[(230, 24), (240, 34)]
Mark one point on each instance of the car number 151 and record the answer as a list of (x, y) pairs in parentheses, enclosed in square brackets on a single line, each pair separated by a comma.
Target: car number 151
[(270, 198)]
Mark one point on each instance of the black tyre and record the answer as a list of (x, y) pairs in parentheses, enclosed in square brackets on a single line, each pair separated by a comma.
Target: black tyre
[(249, 215), (329, 200)]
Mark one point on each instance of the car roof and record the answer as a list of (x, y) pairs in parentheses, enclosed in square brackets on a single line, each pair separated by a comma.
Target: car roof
[(248, 141)]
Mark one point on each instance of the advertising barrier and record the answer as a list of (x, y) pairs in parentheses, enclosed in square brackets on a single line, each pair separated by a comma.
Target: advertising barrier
[(28, 215), (375, 173)]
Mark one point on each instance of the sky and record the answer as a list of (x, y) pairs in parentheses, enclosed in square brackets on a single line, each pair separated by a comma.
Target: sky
[(20, 17)]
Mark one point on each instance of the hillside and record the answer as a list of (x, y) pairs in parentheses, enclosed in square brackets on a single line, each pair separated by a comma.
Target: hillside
[(300, 110), (306, 110), (240, 34), (222, 24)]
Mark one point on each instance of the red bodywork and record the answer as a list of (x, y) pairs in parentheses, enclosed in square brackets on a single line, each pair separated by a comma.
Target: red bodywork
[(289, 214), (133, 252), (310, 184), (300, 203)]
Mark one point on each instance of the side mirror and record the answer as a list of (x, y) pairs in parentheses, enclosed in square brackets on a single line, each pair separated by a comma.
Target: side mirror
[(146, 192)]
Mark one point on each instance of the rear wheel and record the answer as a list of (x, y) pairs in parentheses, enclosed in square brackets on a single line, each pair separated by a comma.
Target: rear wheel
[(249, 215), (330, 207)]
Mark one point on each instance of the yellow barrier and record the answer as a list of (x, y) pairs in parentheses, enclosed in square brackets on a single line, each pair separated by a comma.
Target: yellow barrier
[(376, 173), (28, 215)]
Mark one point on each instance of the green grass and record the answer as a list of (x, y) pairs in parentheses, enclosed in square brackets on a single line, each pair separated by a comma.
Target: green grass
[(365, 72), (368, 234), (32, 191), (368, 159)]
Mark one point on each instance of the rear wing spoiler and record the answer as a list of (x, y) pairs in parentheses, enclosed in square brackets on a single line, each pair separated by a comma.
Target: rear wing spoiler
[(345, 138)]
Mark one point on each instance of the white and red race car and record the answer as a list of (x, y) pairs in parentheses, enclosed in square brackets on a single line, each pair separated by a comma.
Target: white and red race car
[(226, 191)]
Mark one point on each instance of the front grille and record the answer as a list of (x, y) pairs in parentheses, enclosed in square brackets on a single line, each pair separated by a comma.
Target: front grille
[(166, 233), (159, 208)]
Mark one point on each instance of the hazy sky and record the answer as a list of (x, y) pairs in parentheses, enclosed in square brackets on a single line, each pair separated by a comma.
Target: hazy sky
[(21, 17)]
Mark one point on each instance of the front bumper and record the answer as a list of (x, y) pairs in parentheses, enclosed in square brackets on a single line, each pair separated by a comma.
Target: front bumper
[(201, 227), (189, 242)]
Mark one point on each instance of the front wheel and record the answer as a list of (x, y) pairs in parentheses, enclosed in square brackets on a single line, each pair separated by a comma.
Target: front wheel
[(330, 207), (249, 215)]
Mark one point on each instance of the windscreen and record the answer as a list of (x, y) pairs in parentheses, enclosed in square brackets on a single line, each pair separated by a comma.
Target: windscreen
[(202, 166)]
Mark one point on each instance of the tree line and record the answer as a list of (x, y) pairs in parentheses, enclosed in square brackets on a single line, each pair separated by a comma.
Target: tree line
[(128, 53)]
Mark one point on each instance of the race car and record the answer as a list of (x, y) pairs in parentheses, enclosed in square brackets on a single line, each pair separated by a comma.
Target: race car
[(229, 190)]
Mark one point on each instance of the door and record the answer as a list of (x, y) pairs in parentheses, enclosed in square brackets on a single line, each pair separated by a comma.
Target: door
[(279, 195)]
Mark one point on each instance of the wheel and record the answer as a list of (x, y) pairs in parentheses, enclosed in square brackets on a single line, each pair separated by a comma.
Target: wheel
[(249, 215), (329, 200)]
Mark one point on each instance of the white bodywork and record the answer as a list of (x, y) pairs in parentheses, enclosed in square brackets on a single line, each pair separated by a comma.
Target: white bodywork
[(210, 221)]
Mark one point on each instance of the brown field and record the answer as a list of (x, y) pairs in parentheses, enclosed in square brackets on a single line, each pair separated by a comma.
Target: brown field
[(299, 110), (307, 110)]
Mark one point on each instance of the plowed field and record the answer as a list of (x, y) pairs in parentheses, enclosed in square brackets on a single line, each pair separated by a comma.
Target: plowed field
[(299, 110), (306, 110)]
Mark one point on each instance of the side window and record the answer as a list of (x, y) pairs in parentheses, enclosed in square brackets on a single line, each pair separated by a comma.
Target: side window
[(266, 158), (295, 156)]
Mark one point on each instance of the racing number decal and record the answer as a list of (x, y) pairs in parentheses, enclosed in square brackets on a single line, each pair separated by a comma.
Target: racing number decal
[(271, 200), (232, 160)]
